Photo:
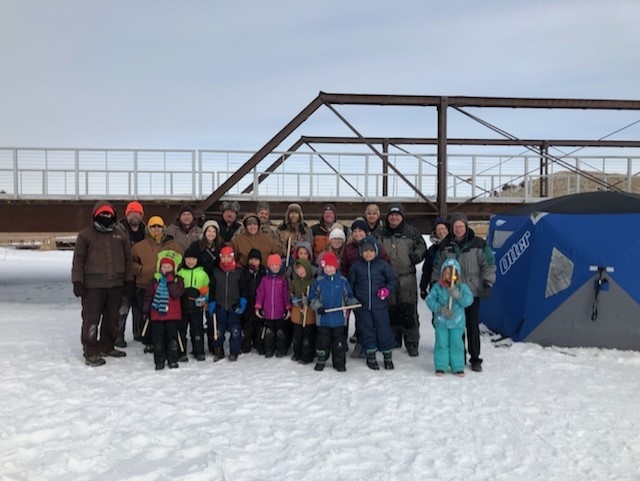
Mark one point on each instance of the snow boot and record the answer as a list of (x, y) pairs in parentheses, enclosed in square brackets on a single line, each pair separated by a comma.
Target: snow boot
[(412, 349), (388, 363), (372, 363), (322, 360), (94, 361), (218, 354), (233, 357)]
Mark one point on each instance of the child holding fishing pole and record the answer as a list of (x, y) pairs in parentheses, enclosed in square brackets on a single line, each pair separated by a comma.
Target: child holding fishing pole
[(162, 309), (331, 297), (302, 316), (447, 300)]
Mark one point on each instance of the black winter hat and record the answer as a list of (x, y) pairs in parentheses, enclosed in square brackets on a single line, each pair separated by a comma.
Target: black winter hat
[(255, 254), (185, 208), (359, 224), (192, 251), (396, 208)]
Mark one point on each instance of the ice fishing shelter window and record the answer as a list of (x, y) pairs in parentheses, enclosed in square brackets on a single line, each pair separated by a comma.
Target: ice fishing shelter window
[(560, 273), (499, 238)]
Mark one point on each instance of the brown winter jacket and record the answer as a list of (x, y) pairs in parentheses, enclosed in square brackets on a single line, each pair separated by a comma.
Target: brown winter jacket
[(101, 259), (243, 243), (145, 256)]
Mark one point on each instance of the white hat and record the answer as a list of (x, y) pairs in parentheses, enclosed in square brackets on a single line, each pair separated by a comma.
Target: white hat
[(337, 233)]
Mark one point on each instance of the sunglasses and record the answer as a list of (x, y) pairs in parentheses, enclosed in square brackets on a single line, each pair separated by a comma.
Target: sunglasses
[(156, 226)]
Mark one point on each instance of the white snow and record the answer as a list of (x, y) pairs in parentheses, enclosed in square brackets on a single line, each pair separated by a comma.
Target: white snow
[(533, 414)]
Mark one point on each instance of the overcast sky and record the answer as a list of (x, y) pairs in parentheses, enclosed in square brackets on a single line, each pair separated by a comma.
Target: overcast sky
[(230, 75)]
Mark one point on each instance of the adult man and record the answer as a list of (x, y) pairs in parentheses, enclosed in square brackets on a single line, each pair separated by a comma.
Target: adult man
[(185, 229), (263, 212), (135, 229), (406, 248), (229, 223), (479, 268), (101, 266)]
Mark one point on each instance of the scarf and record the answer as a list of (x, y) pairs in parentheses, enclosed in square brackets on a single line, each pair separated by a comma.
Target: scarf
[(161, 297)]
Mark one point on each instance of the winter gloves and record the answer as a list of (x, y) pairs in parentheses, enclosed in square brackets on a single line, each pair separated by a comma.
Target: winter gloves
[(321, 311), (212, 307), (423, 294), (241, 306), (454, 293), (486, 290), (78, 288), (383, 293), (446, 312)]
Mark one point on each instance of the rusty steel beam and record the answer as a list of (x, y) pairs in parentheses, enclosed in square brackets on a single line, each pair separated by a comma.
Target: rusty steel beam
[(466, 141), (262, 153), (275, 165), (467, 101)]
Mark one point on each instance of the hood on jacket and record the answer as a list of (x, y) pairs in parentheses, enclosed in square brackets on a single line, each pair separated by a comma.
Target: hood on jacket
[(368, 243), (250, 215), (451, 263), (307, 267), (305, 245), (293, 208)]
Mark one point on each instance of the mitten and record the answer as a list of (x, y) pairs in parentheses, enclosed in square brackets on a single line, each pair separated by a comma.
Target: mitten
[(454, 293), (201, 301), (486, 290), (423, 294), (212, 307), (169, 277), (304, 300), (287, 315), (259, 313), (242, 305), (321, 311), (446, 312), (296, 301), (383, 293), (78, 289)]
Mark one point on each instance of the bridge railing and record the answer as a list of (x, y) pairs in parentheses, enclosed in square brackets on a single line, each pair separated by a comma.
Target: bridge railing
[(31, 173)]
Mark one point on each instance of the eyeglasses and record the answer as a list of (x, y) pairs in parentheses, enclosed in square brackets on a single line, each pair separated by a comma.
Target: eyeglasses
[(156, 226)]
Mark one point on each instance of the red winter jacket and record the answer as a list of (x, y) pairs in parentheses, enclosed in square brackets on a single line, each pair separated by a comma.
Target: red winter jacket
[(176, 289)]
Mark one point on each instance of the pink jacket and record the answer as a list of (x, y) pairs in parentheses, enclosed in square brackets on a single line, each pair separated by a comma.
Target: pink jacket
[(272, 296)]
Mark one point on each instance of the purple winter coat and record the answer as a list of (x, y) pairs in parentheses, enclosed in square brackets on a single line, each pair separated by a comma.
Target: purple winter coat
[(272, 296)]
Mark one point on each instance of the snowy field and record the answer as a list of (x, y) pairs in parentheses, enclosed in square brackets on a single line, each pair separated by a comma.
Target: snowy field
[(533, 414)]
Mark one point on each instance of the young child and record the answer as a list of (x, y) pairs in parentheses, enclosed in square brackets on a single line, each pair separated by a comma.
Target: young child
[(196, 294), (227, 302), (274, 305), (302, 316), (330, 290), (372, 280), (447, 300), (301, 250), (252, 325), (162, 307)]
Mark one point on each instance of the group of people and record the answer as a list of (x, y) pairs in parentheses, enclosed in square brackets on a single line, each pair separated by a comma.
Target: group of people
[(273, 288)]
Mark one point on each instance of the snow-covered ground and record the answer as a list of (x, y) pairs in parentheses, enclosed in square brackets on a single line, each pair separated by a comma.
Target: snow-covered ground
[(533, 414)]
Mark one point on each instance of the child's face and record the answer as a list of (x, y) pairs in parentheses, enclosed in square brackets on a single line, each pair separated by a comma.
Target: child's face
[(226, 258), (447, 273), (301, 271), (329, 270), (190, 262), (368, 255), (166, 269), (275, 268), (303, 253), (254, 263), (337, 243)]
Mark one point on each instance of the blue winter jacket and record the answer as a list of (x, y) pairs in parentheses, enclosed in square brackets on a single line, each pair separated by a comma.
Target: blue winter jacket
[(366, 278), (439, 297), (330, 292)]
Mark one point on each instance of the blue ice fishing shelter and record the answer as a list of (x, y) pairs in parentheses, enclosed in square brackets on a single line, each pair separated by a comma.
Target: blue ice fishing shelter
[(568, 272)]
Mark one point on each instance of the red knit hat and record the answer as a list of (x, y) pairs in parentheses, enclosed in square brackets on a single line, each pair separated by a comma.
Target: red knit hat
[(274, 259), (227, 250), (134, 207), (104, 209), (168, 260), (329, 259)]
